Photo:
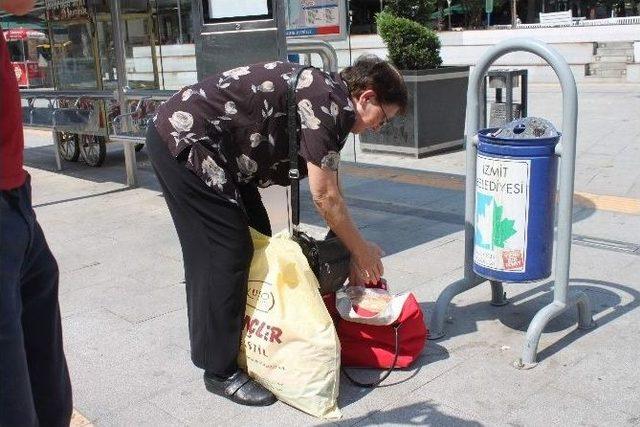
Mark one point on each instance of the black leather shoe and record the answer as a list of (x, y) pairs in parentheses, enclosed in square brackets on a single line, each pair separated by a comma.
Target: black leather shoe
[(241, 389)]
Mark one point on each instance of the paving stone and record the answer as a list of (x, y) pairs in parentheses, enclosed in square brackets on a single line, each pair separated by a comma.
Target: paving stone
[(104, 390), (140, 414)]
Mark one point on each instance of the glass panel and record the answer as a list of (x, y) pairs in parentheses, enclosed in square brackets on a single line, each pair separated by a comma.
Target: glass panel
[(140, 61), (175, 51), (74, 61), (108, 62)]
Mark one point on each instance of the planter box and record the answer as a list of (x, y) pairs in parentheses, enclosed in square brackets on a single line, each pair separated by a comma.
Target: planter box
[(434, 120)]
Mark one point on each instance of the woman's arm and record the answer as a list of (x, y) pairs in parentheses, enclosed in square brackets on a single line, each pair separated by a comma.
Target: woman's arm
[(331, 205)]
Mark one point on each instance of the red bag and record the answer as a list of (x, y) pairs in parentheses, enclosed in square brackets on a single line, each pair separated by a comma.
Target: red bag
[(391, 338)]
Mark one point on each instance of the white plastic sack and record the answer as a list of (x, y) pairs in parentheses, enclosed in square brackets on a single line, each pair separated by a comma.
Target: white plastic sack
[(289, 343)]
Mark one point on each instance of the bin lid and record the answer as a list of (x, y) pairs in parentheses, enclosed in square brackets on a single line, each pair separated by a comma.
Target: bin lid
[(524, 131)]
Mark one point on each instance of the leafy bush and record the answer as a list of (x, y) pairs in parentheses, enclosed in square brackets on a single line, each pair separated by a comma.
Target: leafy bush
[(411, 46)]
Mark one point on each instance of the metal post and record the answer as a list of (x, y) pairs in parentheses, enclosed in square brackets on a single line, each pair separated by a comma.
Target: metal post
[(509, 100), (498, 295), (566, 150), (483, 102), (179, 21), (56, 149), (524, 81), (118, 42)]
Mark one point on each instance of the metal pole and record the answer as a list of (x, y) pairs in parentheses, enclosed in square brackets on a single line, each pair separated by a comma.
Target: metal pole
[(325, 50), (118, 43), (513, 13), (509, 101), (56, 143), (179, 22), (498, 295), (483, 102), (524, 81)]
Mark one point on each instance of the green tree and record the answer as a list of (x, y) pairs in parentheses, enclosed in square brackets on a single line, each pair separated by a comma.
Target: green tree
[(415, 10), (473, 11), (411, 45)]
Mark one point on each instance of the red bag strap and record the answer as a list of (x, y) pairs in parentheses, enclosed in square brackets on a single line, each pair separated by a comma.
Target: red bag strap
[(387, 372)]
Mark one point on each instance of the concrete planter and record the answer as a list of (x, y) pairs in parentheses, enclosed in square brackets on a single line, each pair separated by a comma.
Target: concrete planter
[(434, 120)]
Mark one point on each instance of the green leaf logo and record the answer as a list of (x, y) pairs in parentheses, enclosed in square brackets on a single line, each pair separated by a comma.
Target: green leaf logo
[(502, 227)]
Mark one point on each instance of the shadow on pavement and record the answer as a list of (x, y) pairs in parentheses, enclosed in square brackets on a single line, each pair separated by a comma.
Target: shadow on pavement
[(423, 413), (609, 301), (350, 393)]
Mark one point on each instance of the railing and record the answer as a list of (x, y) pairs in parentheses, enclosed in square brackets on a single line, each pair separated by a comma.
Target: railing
[(132, 126), (63, 111), (325, 50), (576, 22)]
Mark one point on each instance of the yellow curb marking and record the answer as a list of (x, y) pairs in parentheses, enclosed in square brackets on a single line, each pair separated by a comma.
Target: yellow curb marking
[(600, 202), (79, 420), (608, 203)]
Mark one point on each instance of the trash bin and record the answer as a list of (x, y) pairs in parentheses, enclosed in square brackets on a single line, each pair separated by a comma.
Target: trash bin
[(516, 173)]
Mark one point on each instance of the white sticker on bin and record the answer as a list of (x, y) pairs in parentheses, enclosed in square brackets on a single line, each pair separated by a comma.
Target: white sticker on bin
[(501, 215)]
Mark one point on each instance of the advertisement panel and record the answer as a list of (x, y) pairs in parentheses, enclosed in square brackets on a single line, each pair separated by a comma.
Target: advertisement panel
[(325, 19), (64, 10)]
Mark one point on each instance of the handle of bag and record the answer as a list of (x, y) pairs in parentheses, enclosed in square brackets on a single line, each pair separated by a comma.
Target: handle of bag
[(387, 372), (292, 125)]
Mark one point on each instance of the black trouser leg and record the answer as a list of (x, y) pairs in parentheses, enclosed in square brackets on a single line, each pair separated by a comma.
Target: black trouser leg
[(217, 251), (34, 381)]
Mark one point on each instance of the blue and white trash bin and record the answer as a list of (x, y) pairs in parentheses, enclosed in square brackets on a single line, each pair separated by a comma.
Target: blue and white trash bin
[(516, 175)]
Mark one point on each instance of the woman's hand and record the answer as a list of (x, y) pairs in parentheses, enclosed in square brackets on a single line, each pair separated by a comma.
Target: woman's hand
[(368, 260), (355, 276)]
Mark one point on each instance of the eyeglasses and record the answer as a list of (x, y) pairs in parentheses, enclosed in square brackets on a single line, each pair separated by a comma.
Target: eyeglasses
[(384, 122)]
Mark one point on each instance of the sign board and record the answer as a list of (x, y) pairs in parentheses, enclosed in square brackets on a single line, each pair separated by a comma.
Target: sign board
[(501, 215), (228, 9), (488, 6), (233, 33), (324, 19), (63, 10)]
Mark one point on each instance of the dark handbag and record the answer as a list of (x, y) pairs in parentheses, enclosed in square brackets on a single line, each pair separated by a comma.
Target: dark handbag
[(329, 259)]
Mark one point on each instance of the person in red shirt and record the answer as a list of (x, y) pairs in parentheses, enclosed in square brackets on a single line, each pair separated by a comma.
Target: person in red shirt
[(34, 381)]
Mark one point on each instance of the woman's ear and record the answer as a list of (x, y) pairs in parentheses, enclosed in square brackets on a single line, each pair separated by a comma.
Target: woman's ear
[(367, 96)]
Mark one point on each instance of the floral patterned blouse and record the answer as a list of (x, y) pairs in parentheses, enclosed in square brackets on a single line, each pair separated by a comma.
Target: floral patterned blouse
[(231, 128)]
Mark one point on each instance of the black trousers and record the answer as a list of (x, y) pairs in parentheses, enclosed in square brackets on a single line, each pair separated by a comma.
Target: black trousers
[(34, 380), (217, 251)]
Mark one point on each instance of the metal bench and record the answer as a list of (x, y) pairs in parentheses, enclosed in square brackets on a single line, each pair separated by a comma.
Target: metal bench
[(76, 127), (557, 19), (61, 118), (132, 126)]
